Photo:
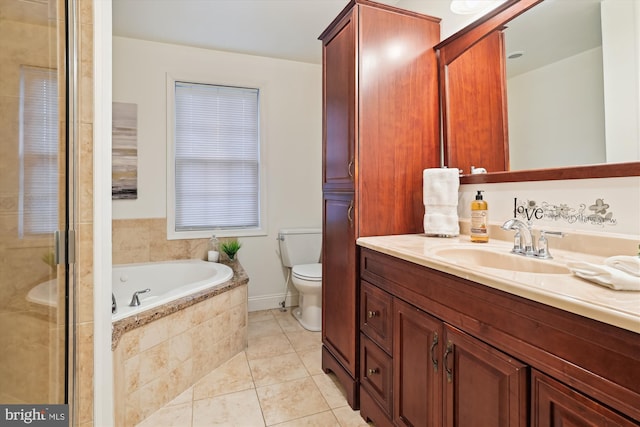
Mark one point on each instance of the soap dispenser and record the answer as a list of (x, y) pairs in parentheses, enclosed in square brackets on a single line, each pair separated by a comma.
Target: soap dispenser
[(479, 219), (213, 251)]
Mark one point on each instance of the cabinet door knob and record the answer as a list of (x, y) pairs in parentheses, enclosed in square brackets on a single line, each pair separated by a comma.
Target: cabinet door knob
[(373, 371), (350, 213), (371, 314), (349, 166)]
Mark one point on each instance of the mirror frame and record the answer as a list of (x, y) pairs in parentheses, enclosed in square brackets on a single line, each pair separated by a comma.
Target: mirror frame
[(451, 48)]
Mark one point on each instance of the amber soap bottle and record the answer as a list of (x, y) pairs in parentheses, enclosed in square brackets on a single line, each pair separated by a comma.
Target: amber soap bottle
[(479, 219)]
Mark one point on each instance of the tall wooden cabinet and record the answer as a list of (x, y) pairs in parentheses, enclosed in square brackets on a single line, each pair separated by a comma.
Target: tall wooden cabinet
[(380, 130)]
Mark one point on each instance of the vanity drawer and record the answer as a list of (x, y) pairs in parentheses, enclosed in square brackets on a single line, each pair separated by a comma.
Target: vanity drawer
[(375, 373), (376, 320)]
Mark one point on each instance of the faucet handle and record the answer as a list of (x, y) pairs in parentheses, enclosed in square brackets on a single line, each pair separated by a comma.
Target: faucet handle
[(517, 244), (543, 244), (135, 300)]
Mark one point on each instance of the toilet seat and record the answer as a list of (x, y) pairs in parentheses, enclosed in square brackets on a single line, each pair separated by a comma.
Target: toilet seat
[(310, 272)]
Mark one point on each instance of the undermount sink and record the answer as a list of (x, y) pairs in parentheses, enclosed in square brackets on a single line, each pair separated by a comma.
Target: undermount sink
[(491, 258)]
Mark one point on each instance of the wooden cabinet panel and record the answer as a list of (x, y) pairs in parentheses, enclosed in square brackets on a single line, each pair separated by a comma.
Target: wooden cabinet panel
[(556, 405), (375, 315), (398, 110), (339, 114), (339, 293), (417, 367), (483, 386), (376, 373)]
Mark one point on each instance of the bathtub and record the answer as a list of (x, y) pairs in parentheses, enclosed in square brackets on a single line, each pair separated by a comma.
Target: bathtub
[(167, 281)]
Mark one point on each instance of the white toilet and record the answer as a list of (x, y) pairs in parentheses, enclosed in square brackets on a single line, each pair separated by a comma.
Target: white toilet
[(300, 250)]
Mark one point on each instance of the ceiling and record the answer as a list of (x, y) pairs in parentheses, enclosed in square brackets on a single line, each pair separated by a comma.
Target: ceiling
[(289, 29), (286, 29)]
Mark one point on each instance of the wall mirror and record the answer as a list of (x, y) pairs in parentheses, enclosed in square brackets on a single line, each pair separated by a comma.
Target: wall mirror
[(540, 113)]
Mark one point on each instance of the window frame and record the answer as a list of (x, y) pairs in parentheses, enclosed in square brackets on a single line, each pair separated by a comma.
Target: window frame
[(261, 230)]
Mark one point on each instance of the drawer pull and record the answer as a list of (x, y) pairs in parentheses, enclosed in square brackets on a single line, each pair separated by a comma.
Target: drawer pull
[(447, 352), (371, 314), (434, 343), (373, 371)]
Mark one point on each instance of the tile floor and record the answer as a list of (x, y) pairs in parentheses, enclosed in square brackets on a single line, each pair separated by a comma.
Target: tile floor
[(277, 381)]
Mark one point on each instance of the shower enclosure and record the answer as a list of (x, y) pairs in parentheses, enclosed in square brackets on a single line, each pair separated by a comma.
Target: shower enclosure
[(36, 191)]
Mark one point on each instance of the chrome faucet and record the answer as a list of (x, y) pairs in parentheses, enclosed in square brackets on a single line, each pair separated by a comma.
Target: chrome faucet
[(135, 301), (523, 242)]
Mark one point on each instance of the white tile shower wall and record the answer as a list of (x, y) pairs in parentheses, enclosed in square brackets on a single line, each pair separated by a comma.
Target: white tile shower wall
[(621, 194)]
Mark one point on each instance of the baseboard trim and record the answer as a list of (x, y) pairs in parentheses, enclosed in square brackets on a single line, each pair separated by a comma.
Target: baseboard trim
[(268, 302)]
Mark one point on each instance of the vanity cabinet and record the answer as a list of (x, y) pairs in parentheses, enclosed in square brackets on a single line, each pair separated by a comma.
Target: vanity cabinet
[(380, 131), (556, 405), (464, 354), (441, 375)]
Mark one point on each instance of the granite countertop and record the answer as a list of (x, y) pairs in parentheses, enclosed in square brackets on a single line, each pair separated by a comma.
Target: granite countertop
[(564, 291)]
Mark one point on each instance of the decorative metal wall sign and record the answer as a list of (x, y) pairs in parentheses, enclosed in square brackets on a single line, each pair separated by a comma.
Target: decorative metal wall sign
[(124, 175), (596, 214)]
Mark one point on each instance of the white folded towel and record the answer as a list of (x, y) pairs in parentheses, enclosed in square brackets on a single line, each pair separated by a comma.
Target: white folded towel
[(440, 186), (440, 197), (628, 264), (441, 221), (604, 275)]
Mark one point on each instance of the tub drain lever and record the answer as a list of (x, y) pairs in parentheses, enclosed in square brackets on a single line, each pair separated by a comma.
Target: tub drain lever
[(135, 301)]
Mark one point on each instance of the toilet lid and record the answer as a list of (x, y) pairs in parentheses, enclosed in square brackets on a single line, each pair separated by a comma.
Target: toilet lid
[(308, 271)]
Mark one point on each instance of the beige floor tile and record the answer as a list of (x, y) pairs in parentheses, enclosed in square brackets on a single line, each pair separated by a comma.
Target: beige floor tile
[(277, 369), (264, 328), (240, 409), (304, 340), (290, 400), (169, 416), (312, 360), (323, 419), (347, 417), (331, 390), (259, 316), (232, 376), (273, 345), (287, 322)]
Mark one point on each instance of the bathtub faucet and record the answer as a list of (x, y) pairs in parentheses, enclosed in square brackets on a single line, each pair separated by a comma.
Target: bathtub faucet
[(135, 301)]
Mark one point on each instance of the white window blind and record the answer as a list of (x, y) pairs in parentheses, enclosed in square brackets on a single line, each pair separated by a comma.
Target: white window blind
[(217, 170), (38, 202)]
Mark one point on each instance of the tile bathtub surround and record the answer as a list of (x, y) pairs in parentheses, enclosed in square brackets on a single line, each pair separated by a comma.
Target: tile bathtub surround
[(277, 381), (145, 240), (155, 363)]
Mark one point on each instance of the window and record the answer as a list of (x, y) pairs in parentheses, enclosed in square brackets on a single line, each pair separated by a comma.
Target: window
[(215, 159), (38, 202)]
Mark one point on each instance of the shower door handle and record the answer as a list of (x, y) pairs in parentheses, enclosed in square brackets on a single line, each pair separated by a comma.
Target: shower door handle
[(64, 249)]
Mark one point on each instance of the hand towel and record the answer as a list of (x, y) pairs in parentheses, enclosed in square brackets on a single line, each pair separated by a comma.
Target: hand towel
[(441, 221), (440, 186), (628, 264), (440, 197), (605, 275)]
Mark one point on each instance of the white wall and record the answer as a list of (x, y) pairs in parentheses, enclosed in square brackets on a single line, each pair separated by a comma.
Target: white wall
[(621, 194), (293, 138), (621, 45), (556, 118)]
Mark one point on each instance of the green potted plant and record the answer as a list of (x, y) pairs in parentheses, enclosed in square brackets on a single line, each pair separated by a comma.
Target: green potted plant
[(231, 248)]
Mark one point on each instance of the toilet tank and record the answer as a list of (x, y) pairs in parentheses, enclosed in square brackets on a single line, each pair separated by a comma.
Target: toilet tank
[(300, 245)]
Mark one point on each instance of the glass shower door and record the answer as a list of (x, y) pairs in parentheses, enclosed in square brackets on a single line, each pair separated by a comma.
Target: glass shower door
[(33, 202)]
